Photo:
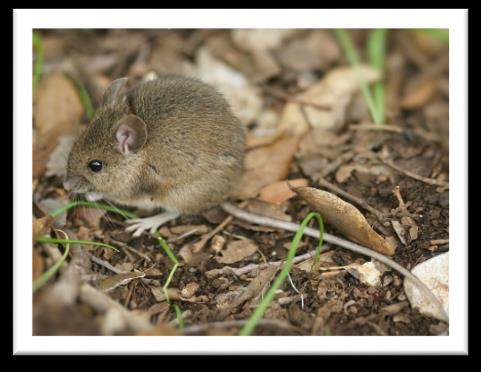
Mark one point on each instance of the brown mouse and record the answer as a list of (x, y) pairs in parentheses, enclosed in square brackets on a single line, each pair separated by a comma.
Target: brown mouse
[(172, 142)]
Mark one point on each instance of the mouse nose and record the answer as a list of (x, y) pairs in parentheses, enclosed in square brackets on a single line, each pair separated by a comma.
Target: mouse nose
[(75, 183)]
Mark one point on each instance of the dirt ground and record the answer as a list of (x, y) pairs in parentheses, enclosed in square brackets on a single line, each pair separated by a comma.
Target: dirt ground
[(395, 174)]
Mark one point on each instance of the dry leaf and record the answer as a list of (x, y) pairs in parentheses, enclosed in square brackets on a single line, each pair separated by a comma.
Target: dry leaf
[(260, 39), (420, 95), (263, 208), (335, 91), (41, 226), (244, 98), (37, 264), (319, 50), (345, 218), (237, 251), (118, 280), (265, 165), (57, 111), (57, 162), (279, 192)]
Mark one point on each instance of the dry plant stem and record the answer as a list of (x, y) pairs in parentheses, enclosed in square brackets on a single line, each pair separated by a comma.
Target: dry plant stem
[(198, 328), (289, 226), (251, 267), (429, 181), (105, 264), (133, 250), (355, 199)]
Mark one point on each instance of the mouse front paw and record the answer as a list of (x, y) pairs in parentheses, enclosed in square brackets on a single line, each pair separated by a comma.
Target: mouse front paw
[(139, 225)]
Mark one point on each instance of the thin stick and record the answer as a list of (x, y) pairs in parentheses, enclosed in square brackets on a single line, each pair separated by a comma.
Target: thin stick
[(251, 267), (429, 181), (289, 226)]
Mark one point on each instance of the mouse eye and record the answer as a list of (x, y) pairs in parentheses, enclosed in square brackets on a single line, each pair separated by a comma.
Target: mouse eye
[(95, 165)]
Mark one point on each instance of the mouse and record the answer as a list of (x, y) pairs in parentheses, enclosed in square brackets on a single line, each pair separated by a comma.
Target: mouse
[(171, 143)]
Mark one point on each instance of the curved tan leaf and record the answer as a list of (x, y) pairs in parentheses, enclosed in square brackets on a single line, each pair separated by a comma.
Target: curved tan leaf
[(345, 217)]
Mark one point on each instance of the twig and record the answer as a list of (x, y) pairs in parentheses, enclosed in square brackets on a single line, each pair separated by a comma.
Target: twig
[(289, 226), (198, 328), (429, 181), (355, 199), (105, 264), (133, 250), (251, 267)]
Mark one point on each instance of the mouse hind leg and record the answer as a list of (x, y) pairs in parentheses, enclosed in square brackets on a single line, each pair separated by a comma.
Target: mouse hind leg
[(139, 225)]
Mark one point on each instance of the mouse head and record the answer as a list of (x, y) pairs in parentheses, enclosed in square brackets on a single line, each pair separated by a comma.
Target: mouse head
[(106, 160)]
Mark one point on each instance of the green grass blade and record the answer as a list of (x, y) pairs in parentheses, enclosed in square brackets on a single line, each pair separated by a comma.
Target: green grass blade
[(47, 239), (167, 249), (178, 315), (174, 260), (351, 55), (37, 67), (376, 52), (57, 212), (257, 315), (47, 275), (85, 98)]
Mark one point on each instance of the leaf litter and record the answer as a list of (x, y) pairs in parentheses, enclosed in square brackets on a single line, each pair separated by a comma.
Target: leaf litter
[(298, 102)]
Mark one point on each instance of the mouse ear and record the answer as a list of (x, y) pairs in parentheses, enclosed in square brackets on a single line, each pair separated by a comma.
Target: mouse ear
[(112, 93), (130, 134)]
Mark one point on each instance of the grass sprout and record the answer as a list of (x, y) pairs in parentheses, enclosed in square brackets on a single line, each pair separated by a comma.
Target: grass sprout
[(257, 315)]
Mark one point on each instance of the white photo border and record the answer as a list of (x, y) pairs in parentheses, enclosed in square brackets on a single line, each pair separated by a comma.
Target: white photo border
[(25, 20)]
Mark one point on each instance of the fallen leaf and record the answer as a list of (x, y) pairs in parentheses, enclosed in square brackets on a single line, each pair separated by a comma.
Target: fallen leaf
[(265, 165), (244, 98), (345, 217), (38, 266), (57, 162), (41, 226), (260, 39), (57, 111), (279, 192), (237, 251), (266, 209), (344, 172), (334, 92), (435, 274), (316, 51), (118, 280), (399, 230), (191, 258), (420, 95)]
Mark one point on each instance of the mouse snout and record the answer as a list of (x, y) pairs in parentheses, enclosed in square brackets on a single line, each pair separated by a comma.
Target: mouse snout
[(77, 184)]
